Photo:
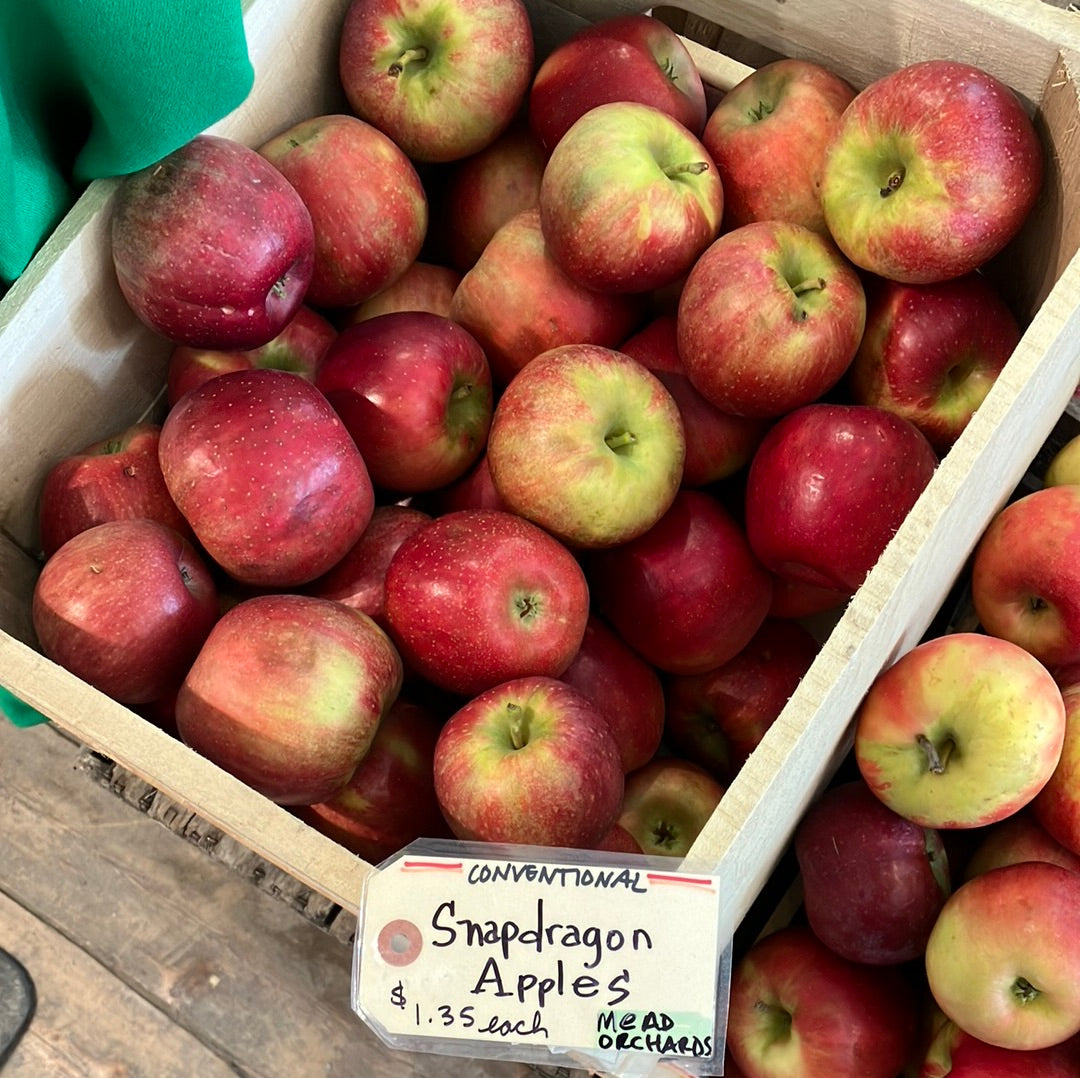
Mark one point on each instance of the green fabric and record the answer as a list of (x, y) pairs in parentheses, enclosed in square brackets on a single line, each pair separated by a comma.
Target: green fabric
[(94, 88), (18, 713)]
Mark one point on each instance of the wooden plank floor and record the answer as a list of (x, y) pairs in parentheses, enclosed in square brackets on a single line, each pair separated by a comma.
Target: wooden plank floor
[(152, 960)]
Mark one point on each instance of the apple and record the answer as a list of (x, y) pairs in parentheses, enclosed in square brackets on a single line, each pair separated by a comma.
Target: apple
[(267, 475), (666, 803), (956, 1054), (1019, 837), (518, 303), (212, 246), (718, 444), (531, 761), (485, 190), (1057, 805), (769, 319), (797, 599), (629, 199), (625, 688), (414, 391), (688, 594), (443, 80), (931, 352), (424, 286), (390, 800), (125, 605), (286, 694), (873, 881), (368, 206), (961, 731), (828, 486), (768, 135), (587, 443), (618, 840), (718, 717), (114, 478), (474, 490), (632, 57), (799, 1010), (1025, 574), (299, 348), (1064, 466), (480, 596), (1003, 958), (359, 579), (932, 169)]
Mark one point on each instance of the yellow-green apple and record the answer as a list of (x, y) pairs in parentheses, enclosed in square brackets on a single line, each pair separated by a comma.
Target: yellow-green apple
[(480, 596), (873, 881), (828, 486), (629, 199), (532, 761), (368, 206), (359, 578), (718, 444), (517, 302), (114, 478), (768, 136), (666, 804), (931, 352), (299, 348), (1003, 956), (769, 319), (625, 688), (630, 57), (390, 800), (125, 605), (932, 169), (424, 286), (286, 694), (442, 80), (799, 1010), (718, 717), (1019, 837), (688, 594), (414, 391), (483, 191), (1064, 466), (1025, 575), (1057, 805), (587, 443), (267, 476), (212, 246), (961, 731)]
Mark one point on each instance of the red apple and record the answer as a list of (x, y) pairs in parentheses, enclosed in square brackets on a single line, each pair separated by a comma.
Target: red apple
[(299, 348), (529, 761), (688, 594), (625, 689), (390, 800), (443, 80), (267, 475), (1057, 805), (798, 1010), (932, 352), (518, 303), (125, 605), (932, 169), (414, 391), (769, 319), (618, 840), (1019, 837), (632, 57), (797, 599), (828, 487), (286, 694), (629, 199), (115, 478), (480, 596), (367, 204), (212, 246), (424, 286), (768, 135), (474, 490)]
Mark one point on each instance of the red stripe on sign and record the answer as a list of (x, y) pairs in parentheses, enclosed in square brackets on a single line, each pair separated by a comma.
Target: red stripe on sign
[(656, 877), (455, 867)]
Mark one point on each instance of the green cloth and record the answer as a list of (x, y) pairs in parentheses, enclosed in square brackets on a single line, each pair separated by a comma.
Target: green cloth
[(94, 88), (18, 713)]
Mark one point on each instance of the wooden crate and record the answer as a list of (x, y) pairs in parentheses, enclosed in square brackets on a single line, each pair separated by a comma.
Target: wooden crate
[(75, 365)]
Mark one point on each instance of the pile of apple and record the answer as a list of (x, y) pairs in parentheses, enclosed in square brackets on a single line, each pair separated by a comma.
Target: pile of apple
[(520, 416)]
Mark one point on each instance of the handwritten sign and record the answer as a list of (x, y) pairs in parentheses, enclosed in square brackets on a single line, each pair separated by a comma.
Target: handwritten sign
[(611, 962)]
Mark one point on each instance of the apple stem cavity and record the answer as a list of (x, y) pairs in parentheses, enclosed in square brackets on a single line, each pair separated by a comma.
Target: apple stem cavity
[(419, 55), (779, 1020), (936, 759), (894, 182), (1024, 991), (763, 109), (519, 725), (687, 168)]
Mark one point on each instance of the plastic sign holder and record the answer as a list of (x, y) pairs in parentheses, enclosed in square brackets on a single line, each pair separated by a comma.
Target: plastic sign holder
[(615, 963)]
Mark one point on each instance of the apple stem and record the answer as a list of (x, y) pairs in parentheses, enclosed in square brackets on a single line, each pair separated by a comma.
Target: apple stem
[(893, 182), (691, 168), (935, 761), (621, 438), (419, 54), (462, 391), (811, 284), (519, 725)]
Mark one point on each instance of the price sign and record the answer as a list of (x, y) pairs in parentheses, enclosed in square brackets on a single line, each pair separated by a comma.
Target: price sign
[(615, 963)]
